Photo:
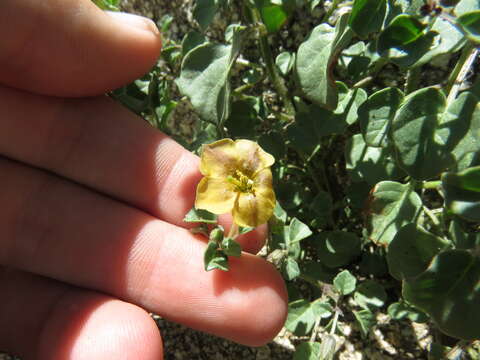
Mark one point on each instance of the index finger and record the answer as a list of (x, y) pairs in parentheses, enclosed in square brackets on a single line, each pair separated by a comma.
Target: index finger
[(72, 48)]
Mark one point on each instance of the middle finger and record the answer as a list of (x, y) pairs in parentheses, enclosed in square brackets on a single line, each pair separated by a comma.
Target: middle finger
[(62, 230)]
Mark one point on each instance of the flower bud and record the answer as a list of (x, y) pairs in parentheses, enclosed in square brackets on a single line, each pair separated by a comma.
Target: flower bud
[(216, 235)]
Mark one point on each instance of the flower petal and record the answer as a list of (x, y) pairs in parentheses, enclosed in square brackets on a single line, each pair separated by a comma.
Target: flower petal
[(215, 195), (254, 209), (252, 157), (219, 159)]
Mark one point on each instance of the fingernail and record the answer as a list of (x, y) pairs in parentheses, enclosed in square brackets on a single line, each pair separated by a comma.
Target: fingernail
[(135, 21)]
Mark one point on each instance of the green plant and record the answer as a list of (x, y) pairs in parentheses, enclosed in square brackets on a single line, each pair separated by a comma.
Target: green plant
[(377, 182)]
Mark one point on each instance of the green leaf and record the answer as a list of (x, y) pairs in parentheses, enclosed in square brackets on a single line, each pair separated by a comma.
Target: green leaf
[(370, 295), (370, 164), (447, 38), (291, 269), (318, 272), (461, 238), (313, 122), (366, 320), (243, 119), (298, 231), (202, 216), (462, 193), (204, 12), (302, 315), (349, 100), (465, 6), (345, 282), (273, 15), (401, 310), (411, 251), (214, 258), (404, 41), (204, 78), (277, 221), (308, 351), (284, 62), (315, 59), (244, 229), (111, 5), (367, 16), (448, 291), (191, 40), (465, 113), (374, 263), (271, 144), (470, 23), (391, 206), (425, 133), (230, 247), (376, 115), (337, 248)]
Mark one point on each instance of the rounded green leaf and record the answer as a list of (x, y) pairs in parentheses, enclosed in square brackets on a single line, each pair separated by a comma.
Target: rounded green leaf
[(284, 62), (204, 78), (345, 282), (421, 135), (191, 40), (401, 310), (411, 251), (370, 164), (465, 134), (302, 315), (462, 193), (449, 292), (367, 16), (204, 12), (291, 269), (337, 248), (307, 351), (465, 6), (315, 58), (366, 320), (298, 231), (392, 205), (376, 115), (370, 295), (470, 23), (230, 247), (214, 258), (404, 41), (273, 16)]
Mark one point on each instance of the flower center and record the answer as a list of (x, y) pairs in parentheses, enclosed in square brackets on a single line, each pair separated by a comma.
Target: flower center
[(241, 182)]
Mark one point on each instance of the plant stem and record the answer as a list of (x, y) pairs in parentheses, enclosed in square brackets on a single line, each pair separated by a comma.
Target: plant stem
[(363, 82), (334, 324), (431, 184), (267, 56), (432, 217), (315, 329), (233, 232), (469, 54), (331, 10), (413, 79)]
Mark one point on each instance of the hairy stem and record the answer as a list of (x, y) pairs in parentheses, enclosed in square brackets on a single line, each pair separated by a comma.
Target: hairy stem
[(431, 184), (331, 10), (267, 56), (459, 73), (413, 79)]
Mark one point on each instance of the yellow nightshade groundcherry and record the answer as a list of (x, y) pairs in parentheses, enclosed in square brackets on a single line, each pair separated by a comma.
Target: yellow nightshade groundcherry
[(237, 180)]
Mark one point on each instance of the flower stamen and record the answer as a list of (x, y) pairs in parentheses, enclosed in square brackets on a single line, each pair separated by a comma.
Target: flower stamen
[(241, 182)]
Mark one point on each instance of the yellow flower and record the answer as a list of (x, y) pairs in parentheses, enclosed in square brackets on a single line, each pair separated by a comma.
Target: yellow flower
[(237, 179)]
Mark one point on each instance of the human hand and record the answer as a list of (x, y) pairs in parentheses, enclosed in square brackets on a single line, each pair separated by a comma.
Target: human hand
[(93, 200)]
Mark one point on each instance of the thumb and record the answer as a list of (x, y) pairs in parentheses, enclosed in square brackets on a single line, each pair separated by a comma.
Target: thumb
[(72, 48)]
